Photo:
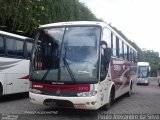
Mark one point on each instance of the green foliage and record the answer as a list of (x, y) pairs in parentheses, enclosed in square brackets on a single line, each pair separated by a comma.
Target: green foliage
[(153, 58), (24, 16)]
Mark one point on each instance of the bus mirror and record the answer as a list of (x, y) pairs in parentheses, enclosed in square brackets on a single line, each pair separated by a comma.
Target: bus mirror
[(103, 44), (108, 53)]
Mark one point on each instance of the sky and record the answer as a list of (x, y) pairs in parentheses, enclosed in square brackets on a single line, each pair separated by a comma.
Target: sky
[(139, 20)]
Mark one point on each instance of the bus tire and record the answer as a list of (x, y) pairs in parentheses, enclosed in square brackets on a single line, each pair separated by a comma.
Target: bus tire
[(158, 82), (128, 94), (111, 100), (1, 89)]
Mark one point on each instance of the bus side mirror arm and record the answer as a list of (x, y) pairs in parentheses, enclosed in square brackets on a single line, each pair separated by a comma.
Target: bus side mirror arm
[(108, 54)]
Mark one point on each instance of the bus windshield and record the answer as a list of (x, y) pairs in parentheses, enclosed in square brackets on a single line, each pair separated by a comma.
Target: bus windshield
[(66, 54), (143, 71)]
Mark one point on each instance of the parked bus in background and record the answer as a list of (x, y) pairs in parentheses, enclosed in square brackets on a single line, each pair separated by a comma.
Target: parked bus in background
[(158, 74), (143, 73), (15, 51), (80, 65)]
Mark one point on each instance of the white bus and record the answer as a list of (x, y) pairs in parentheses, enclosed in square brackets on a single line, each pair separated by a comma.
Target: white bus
[(15, 51), (80, 65), (143, 73)]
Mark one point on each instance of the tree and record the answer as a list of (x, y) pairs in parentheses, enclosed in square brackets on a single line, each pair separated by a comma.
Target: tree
[(153, 58), (24, 16)]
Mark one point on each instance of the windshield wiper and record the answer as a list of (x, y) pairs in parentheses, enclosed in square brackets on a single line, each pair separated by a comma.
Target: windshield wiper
[(142, 74), (45, 75), (68, 68)]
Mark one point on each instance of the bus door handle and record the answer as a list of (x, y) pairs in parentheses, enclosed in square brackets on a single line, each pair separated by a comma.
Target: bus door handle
[(9, 83), (26, 83)]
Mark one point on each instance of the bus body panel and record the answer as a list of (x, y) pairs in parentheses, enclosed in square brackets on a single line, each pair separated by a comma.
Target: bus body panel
[(105, 90), (120, 71), (14, 75)]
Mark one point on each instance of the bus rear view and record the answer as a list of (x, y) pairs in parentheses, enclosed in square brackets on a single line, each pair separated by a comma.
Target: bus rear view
[(143, 73)]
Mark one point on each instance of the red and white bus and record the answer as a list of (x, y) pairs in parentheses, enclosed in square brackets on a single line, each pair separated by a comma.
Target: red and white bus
[(81, 65), (15, 51)]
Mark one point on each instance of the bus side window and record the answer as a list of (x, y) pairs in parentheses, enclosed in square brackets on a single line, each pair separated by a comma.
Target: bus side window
[(121, 49), (125, 51), (29, 48), (15, 47), (19, 48), (105, 52), (11, 46), (1, 45)]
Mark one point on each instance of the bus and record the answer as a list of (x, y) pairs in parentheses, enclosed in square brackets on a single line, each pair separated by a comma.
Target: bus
[(143, 73), (158, 74), (80, 65), (15, 52)]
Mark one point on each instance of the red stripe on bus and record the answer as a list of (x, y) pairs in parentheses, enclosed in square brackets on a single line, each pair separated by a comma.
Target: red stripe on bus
[(79, 88), (25, 77)]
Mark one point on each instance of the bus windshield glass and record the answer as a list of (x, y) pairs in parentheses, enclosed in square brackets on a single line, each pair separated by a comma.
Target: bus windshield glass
[(143, 71), (66, 54)]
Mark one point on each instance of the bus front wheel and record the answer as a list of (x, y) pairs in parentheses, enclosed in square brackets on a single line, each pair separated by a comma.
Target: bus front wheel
[(128, 94), (158, 82)]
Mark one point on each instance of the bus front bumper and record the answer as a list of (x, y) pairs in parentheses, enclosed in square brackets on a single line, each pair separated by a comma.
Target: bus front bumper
[(65, 102), (143, 81)]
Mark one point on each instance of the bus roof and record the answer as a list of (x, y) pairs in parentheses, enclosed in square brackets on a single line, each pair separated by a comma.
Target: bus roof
[(13, 35), (98, 23), (143, 63), (72, 23)]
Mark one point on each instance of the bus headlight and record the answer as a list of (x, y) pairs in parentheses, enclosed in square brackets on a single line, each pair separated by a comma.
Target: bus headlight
[(35, 91), (146, 81), (87, 94)]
